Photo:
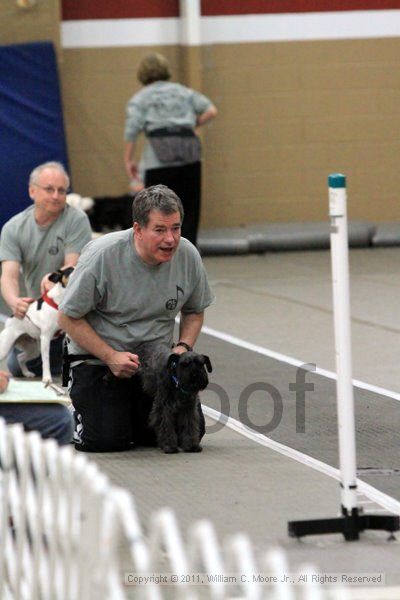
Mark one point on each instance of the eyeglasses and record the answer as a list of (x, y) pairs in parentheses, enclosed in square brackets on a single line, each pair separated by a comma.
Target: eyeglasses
[(49, 189)]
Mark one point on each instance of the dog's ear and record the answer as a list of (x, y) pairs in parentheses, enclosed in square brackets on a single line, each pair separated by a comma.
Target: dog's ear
[(55, 277), (207, 362), (65, 273)]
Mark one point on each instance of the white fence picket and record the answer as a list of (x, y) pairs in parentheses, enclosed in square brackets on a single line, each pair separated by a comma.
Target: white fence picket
[(62, 524)]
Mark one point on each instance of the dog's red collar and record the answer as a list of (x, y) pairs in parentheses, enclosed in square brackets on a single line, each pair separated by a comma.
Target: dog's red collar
[(49, 301)]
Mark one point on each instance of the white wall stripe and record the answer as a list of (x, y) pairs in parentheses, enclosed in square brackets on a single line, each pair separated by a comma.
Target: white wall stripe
[(230, 339), (103, 33), (387, 502), (107, 33), (301, 27)]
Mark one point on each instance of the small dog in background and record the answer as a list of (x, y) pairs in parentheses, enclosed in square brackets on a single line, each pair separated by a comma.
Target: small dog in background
[(111, 213), (105, 213), (174, 382), (75, 200), (39, 324)]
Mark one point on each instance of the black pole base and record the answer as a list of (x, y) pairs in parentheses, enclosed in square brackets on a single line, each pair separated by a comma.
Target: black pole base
[(350, 525)]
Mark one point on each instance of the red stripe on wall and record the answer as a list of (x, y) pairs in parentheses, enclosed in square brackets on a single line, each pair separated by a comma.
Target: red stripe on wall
[(246, 7), (73, 10)]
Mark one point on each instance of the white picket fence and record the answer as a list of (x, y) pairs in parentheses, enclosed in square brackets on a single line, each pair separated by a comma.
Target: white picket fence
[(67, 534)]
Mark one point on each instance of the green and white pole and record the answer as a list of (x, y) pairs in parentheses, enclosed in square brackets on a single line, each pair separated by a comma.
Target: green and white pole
[(350, 523), (343, 357)]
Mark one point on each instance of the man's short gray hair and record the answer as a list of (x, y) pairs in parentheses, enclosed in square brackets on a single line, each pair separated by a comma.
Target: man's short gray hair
[(157, 197), (34, 176)]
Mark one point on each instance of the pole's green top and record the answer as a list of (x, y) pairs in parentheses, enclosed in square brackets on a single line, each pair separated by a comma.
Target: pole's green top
[(337, 180)]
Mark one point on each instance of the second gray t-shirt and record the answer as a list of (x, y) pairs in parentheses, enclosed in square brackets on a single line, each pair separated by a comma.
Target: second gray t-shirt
[(41, 250), (162, 104)]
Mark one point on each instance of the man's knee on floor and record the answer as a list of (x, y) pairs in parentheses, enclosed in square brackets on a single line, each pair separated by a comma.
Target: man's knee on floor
[(89, 437)]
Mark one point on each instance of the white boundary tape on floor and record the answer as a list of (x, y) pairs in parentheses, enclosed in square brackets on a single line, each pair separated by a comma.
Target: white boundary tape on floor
[(380, 498), (387, 502), (231, 339), (235, 341)]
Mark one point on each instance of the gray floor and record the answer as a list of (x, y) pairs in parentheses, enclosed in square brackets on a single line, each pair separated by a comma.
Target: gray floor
[(282, 302), (315, 433)]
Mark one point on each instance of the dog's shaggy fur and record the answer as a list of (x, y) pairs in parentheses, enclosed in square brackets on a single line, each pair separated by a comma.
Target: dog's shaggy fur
[(174, 382)]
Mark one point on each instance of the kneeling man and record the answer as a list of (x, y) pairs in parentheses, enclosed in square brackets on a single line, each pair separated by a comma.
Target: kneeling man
[(127, 289)]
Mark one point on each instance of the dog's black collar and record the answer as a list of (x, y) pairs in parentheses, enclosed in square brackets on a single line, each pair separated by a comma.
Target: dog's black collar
[(178, 386)]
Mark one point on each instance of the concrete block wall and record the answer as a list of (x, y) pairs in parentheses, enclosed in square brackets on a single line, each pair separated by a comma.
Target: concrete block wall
[(19, 25), (290, 113), (97, 83)]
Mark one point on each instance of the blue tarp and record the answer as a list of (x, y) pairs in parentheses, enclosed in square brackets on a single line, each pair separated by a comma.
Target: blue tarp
[(31, 121)]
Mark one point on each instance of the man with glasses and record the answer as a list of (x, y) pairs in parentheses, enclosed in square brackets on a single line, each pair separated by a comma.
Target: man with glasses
[(43, 238)]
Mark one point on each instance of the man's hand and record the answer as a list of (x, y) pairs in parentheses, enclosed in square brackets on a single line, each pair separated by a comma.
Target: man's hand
[(178, 350), (123, 364), (20, 307), (132, 169), (4, 379)]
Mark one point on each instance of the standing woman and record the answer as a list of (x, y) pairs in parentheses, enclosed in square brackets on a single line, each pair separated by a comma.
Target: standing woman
[(168, 113)]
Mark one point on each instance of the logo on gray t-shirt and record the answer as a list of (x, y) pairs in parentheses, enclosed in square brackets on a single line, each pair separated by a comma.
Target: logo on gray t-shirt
[(55, 249), (171, 304)]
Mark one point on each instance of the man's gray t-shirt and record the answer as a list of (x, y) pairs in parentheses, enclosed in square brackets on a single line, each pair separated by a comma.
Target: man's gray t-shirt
[(41, 250), (127, 301), (158, 105)]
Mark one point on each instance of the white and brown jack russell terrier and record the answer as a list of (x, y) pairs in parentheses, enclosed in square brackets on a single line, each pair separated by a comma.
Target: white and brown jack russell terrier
[(39, 324)]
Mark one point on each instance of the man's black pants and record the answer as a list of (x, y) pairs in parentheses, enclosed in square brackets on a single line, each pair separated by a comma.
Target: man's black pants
[(111, 414)]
